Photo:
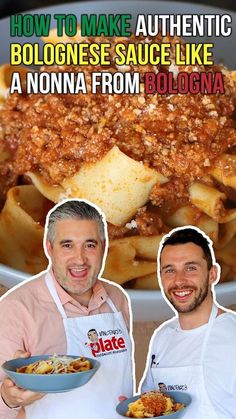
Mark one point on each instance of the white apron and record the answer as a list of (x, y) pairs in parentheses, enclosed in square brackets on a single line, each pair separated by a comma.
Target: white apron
[(192, 377), (98, 398)]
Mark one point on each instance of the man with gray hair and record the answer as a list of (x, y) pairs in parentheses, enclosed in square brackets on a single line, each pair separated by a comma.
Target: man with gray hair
[(54, 313), (75, 209)]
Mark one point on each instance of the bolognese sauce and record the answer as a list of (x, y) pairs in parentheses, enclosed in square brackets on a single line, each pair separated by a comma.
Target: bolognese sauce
[(180, 136)]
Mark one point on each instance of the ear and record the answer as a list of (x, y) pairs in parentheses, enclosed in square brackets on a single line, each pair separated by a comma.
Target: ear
[(49, 247), (213, 274), (104, 245)]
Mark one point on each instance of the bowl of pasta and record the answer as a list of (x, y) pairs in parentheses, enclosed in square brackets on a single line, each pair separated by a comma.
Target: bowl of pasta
[(151, 162), (51, 373), (155, 404)]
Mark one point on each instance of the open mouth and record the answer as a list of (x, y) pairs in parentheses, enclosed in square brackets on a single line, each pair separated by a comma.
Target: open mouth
[(78, 273), (182, 295)]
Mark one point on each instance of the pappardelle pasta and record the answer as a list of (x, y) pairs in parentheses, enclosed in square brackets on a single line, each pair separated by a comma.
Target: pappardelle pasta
[(152, 404), (151, 162), (56, 365)]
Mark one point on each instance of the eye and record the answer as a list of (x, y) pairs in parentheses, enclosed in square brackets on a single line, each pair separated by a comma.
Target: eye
[(91, 245), (169, 271), (191, 268), (66, 246)]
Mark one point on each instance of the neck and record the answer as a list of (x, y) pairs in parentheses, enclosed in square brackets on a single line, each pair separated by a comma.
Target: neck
[(198, 317), (84, 298)]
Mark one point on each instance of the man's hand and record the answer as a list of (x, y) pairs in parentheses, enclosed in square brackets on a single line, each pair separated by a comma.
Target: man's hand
[(14, 396), (122, 398)]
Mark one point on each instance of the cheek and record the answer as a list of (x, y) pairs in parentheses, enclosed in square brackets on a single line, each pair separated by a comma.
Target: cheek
[(166, 284), (59, 260), (96, 259)]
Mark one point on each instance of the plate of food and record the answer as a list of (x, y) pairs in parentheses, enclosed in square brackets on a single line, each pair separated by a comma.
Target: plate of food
[(155, 404), (150, 161), (51, 373)]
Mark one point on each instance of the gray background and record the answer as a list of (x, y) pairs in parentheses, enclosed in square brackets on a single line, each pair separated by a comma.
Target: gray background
[(8, 7)]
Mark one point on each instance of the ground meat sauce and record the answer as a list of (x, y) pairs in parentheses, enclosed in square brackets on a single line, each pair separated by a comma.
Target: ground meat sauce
[(180, 136)]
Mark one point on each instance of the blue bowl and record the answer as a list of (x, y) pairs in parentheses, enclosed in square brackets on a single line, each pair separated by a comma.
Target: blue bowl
[(48, 383), (178, 396)]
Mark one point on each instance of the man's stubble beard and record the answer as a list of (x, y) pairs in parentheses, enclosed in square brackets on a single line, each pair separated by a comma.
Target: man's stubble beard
[(196, 303), (63, 282)]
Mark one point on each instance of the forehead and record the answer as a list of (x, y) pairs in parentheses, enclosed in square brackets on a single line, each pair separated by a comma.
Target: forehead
[(181, 253), (73, 228)]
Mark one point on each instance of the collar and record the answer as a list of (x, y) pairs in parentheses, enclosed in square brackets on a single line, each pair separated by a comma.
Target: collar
[(212, 317)]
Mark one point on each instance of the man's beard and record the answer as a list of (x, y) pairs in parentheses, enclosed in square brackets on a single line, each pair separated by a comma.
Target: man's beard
[(196, 303), (71, 289)]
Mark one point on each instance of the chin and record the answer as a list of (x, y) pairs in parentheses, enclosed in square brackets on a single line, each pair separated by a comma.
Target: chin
[(184, 309), (77, 290), (187, 309)]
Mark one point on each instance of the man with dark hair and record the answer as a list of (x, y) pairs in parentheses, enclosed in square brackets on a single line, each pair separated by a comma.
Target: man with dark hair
[(59, 310), (190, 235), (193, 351)]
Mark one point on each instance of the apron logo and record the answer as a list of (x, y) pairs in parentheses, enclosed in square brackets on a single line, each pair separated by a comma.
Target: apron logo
[(162, 387), (180, 387), (92, 335), (100, 346)]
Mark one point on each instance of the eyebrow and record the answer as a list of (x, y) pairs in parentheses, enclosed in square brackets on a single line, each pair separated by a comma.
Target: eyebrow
[(166, 266), (91, 240), (65, 241), (193, 262)]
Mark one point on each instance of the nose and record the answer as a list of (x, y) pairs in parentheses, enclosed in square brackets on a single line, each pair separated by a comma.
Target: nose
[(179, 278), (79, 255)]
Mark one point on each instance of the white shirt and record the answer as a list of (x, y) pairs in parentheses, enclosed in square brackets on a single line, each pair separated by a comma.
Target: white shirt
[(173, 347)]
